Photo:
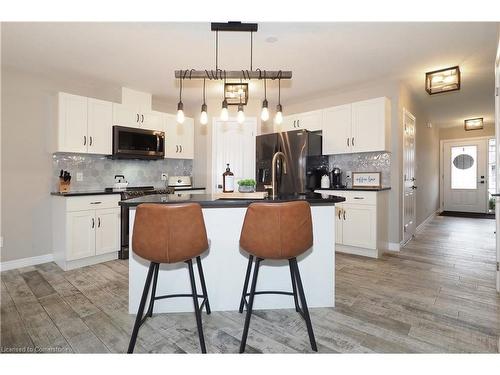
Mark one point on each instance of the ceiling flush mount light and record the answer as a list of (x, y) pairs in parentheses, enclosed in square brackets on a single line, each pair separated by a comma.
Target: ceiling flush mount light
[(473, 124), (234, 93), (443, 80)]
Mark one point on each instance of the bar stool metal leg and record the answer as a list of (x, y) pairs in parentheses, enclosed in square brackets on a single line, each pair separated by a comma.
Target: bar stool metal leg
[(153, 291), (142, 305), (196, 306), (245, 284), (294, 286), (303, 302), (203, 285), (250, 305)]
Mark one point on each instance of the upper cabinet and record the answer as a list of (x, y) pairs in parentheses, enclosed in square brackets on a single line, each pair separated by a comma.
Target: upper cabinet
[(179, 138), (358, 127), (311, 121), (135, 117), (84, 125)]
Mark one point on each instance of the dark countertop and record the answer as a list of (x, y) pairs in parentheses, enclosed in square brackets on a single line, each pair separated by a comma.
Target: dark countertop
[(87, 192), (210, 201), (357, 189), (188, 188)]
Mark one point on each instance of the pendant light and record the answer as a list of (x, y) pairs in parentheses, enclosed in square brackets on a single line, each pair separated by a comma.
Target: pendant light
[(264, 115), (180, 105), (278, 119), (204, 115), (224, 113)]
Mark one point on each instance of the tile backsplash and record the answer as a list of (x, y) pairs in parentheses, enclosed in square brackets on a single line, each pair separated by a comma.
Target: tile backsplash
[(99, 171), (364, 162)]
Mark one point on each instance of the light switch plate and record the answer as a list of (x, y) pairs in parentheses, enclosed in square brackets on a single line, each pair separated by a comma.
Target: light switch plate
[(79, 176)]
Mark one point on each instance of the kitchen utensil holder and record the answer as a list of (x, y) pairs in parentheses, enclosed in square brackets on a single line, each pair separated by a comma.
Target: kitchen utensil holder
[(64, 186)]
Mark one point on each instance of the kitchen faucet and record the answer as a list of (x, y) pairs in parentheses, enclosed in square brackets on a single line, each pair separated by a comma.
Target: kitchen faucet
[(273, 171)]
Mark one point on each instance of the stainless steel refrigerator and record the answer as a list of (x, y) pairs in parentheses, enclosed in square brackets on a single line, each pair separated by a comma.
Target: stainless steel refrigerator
[(302, 150)]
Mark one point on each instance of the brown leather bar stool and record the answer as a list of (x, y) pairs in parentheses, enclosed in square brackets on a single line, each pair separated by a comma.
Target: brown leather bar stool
[(276, 231), (170, 233)]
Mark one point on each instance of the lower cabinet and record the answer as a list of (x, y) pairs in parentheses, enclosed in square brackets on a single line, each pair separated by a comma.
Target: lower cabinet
[(86, 230), (361, 222)]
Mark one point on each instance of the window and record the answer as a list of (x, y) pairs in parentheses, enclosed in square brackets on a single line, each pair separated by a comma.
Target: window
[(464, 167)]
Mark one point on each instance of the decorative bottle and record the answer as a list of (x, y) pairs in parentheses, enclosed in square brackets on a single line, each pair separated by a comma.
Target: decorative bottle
[(228, 180)]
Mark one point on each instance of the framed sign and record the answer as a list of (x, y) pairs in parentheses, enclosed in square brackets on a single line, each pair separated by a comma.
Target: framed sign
[(367, 180)]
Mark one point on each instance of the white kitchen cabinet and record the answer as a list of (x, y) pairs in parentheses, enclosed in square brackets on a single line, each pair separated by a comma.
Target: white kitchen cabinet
[(84, 125), (371, 125), (100, 127), (337, 130), (72, 123), (86, 229), (179, 138), (361, 222), (357, 127), (137, 117), (311, 121)]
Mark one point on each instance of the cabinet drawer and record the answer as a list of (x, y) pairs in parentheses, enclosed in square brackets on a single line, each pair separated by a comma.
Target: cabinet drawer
[(354, 197), (92, 202)]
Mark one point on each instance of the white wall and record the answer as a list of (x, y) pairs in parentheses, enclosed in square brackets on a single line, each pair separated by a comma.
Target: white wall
[(457, 132)]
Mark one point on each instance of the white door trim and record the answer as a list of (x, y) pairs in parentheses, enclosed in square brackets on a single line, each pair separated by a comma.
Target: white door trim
[(410, 115), (441, 163), (497, 145)]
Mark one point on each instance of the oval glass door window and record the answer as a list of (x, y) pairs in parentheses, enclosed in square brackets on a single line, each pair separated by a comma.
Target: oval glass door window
[(464, 167)]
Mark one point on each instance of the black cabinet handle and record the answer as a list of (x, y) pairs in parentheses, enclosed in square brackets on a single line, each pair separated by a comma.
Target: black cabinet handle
[(181, 147), (352, 142), (137, 118), (340, 212), (97, 202), (359, 198), (176, 148), (298, 123), (142, 118), (294, 123), (98, 222), (90, 144), (84, 140), (347, 142), (495, 195), (93, 223), (344, 214)]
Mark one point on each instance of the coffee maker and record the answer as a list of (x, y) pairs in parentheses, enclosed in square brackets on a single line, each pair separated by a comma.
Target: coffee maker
[(336, 178)]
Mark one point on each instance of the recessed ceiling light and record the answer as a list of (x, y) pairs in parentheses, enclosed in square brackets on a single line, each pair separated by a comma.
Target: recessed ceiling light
[(271, 39)]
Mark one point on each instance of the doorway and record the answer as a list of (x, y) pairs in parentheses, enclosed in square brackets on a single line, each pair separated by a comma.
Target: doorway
[(409, 180), (233, 144), (464, 175)]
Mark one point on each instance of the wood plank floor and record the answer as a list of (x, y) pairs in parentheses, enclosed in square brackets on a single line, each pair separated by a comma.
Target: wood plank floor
[(437, 295)]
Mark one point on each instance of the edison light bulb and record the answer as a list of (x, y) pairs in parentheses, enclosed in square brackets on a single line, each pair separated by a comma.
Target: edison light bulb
[(264, 115), (204, 115), (241, 115), (224, 113), (180, 113), (278, 119)]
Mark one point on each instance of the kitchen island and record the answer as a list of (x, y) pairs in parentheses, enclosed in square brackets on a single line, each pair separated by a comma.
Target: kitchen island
[(224, 264)]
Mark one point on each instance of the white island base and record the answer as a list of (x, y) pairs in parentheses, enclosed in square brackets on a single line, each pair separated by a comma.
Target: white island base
[(224, 266)]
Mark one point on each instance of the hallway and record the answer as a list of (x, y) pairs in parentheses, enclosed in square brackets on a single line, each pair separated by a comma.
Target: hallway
[(437, 295)]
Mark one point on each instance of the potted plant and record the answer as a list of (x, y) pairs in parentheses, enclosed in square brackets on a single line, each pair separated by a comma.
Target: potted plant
[(246, 186)]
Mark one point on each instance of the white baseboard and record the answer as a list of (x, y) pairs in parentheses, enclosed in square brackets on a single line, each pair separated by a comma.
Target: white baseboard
[(393, 246), (25, 262), (429, 218)]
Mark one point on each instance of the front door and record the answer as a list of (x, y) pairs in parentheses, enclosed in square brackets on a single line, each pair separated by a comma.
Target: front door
[(464, 176), (409, 180)]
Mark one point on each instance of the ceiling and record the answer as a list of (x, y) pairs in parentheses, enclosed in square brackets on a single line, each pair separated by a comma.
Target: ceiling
[(324, 57)]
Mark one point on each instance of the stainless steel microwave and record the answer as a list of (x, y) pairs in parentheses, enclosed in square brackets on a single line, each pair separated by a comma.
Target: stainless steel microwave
[(134, 143)]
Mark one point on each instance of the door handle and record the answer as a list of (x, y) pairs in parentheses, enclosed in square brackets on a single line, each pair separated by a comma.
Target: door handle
[(93, 223), (84, 140), (414, 187)]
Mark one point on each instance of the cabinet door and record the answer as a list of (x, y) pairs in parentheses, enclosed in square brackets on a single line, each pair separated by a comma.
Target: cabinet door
[(107, 238), (289, 123), (368, 125), (187, 139), (359, 227), (100, 126), (126, 116), (152, 120), (172, 138), (337, 130), (310, 120), (339, 209), (72, 123), (80, 234)]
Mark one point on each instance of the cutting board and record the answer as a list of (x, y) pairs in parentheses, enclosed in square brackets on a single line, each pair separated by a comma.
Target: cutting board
[(237, 195)]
